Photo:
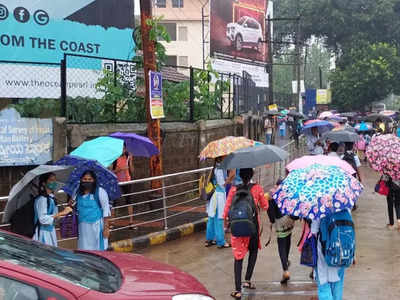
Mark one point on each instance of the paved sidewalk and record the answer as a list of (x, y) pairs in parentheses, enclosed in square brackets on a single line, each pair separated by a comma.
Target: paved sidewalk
[(376, 275)]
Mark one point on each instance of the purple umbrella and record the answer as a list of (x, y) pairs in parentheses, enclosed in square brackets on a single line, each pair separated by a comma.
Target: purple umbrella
[(137, 145)]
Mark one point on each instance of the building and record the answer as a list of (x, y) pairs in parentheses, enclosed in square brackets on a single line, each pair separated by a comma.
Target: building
[(183, 21)]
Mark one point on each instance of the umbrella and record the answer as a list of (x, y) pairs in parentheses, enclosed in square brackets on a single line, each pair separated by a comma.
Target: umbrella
[(323, 126), (348, 114), (317, 191), (374, 117), (104, 149), (345, 127), (363, 127), (324, 160), (341, 136), (105, 178), (137, 145), (388, 113), (272, 113), (383, 153), (284, 112), (254, 156), (225, 146), (22, 191), (325, 114), (296, 114)]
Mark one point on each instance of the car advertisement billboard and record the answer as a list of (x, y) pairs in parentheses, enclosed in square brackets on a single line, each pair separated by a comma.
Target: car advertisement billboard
[(237, 30), (43, 30)]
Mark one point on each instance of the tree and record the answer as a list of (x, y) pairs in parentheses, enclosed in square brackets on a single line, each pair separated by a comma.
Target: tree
[(318, 57), (374, 73)]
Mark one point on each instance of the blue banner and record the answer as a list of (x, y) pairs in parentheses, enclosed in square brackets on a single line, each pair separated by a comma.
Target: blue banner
[(24, 141)]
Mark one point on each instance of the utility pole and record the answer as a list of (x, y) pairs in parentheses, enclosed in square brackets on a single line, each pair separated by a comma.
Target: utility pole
[(149, 64), (270, 62), (299, 59)]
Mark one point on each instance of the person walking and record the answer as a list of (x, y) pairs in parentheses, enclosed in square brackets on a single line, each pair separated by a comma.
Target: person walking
[(350, 157), (393, 200), (46, 211), (332, 149), (215, 208), (268, 127), (251, 244), (93, 213), (282, 129), (314, 143)]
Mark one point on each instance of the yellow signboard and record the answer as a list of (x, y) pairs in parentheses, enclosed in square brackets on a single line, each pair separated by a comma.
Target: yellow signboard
[(273, 107), (324, 96)]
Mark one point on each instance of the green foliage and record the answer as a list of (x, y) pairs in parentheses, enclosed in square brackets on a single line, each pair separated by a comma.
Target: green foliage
[(373, 73), (39, 108), (318, 57), (176, 100)]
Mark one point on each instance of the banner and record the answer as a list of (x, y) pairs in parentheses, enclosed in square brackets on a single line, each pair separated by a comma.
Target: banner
[(156, 97), (24, 141), (273, 107), (324, 96), (43, 30)]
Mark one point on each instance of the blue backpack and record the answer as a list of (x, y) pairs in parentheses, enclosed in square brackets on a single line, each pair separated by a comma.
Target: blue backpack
[(337, 238)]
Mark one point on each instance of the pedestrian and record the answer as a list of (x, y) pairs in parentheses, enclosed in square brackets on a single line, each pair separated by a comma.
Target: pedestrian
[(123, 169), (332, 149), (314, 143), (93, 214), (361, 146), (268, 127), (350, 157), (284, 225), (46, 211), (393, 200), (251, 244), (282, 129), (215, 208)]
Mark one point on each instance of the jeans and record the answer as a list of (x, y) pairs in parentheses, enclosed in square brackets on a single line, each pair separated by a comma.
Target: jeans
[(331, 290), (282, 132), (238, 266), (268, 137), (393, 199), (215, 230), (284, 249)]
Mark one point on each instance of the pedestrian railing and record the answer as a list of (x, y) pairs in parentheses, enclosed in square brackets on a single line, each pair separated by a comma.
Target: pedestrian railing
[(177, 201)]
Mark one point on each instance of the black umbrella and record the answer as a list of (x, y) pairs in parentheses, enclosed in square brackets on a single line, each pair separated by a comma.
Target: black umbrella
[(341, 136), (254, 156), (374, 117), (272, 113), (348, 114), (296, 114)]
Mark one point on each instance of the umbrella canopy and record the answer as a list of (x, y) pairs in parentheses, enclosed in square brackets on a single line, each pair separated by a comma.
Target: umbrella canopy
[(104, 149), (323, 126), (341, 136), (374, 117), (388, 113), (225, 146), (105, 178), (272, 113), (324, 160), (325, 114), (363, 127), (254, 156), (345, 127), (22, 191), (317, 191), (296, 114), (137, 145), (348, 114), (383, 153)]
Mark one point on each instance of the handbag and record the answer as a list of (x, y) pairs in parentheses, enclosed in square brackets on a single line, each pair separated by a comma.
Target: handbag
[(309, 252), (382, 187), (206, 187), (69, 225)]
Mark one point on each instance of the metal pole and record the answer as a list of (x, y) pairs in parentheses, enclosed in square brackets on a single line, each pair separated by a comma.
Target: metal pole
[(191, 104), (298, 59), (202, 35), (63, 82), (164, 205), (229, 95), (270, 62), (149, 64), (320, 77)]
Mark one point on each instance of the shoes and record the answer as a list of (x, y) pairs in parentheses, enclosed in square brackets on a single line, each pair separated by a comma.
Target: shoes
[(225, 246), (285, 277), (390, 227), (312, 275), (209, 243)]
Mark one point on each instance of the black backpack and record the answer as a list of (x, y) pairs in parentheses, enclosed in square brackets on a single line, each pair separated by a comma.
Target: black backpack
[(349, 157), (23, 220), (243, 213)]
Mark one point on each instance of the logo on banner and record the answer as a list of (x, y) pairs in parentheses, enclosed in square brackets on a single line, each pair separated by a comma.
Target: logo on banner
[(21, 14), (3, 12), (41, 17)]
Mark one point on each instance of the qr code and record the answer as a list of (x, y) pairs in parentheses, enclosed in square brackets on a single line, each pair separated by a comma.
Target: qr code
[(126, 71)]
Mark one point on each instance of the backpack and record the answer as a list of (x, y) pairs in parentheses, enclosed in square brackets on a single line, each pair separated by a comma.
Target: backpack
[(337, 238), (360, 145), (23, 220), (349, 157), (243, 213)]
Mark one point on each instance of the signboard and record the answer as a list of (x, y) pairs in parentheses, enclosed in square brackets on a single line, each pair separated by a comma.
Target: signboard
[(258, 74), (24, 141), (43, 30), (156, 98), (294, 87), (273, 107), (324, 96)]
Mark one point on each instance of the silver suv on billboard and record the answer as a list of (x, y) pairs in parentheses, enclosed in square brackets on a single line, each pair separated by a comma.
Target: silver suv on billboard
[(245, 33)]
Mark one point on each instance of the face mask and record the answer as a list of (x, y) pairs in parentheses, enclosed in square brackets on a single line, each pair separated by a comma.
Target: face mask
[(52, 186), (87, 186)]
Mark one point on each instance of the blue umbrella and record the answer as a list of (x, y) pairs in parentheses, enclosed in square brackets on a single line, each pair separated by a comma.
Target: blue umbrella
[(104, 149), (317, 191), (323, 126), (105, 178), (137, 145)]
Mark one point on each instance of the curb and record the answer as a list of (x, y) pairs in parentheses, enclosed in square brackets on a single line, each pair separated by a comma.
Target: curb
[(158, 238)]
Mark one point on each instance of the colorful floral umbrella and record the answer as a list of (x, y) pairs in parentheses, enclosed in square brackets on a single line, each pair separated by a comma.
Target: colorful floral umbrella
[(225, 146), (383, 153), (317, 191), (325, 160)]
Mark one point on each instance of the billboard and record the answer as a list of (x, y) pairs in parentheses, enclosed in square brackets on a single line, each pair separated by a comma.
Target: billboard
[(237, 30), (43, 30), (324, 96)]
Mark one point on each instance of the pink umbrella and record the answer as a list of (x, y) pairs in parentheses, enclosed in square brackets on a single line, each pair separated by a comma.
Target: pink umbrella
[(308, 160), (325, 114)]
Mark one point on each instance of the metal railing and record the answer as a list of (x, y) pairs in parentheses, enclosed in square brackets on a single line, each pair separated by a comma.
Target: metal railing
[(178, 190)]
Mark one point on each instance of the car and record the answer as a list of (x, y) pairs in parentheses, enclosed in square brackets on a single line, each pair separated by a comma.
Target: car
[(33, 271), (246, 32)]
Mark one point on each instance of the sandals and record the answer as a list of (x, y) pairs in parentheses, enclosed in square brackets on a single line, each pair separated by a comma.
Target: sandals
[(236, 295), (285, 278), (209, 243), (249, 285), (225, 246)]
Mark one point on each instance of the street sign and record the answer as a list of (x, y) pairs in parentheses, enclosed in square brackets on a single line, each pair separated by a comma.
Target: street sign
[(294, 86), (156, 97)]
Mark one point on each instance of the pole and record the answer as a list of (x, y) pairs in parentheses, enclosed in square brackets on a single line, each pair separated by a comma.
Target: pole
[(320, 77), (299, 59), (63, 78), (270, 62), (149, 64)]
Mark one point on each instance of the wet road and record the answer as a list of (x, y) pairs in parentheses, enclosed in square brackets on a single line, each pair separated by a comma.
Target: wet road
[(375, 276)]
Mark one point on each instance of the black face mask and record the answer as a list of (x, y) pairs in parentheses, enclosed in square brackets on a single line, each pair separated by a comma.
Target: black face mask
[(87, 186)]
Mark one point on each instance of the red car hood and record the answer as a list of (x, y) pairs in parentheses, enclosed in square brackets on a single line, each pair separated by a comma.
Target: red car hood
[(142, 276)]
